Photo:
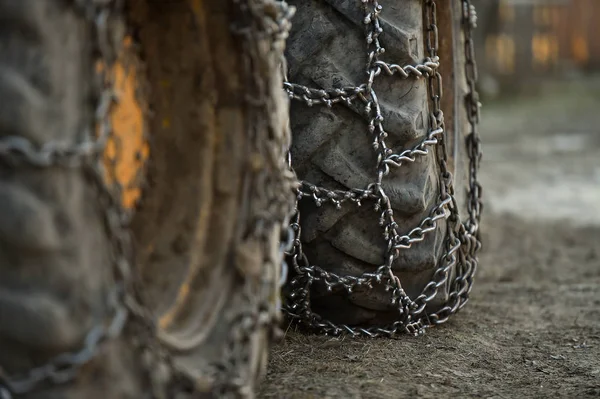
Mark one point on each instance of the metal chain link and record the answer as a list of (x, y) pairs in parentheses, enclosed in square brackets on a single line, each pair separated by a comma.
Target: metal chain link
[(276, 187), (462, 239)]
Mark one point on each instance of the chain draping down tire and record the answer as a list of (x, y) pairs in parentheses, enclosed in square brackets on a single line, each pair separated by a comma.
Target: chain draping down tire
[(389, 205), (154, 125), (166, 137)]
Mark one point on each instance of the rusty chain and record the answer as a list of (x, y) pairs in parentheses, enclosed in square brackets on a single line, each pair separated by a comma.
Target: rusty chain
[(462, 238)]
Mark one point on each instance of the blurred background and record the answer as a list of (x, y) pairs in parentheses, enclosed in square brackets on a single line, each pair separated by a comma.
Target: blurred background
[(539, 63)]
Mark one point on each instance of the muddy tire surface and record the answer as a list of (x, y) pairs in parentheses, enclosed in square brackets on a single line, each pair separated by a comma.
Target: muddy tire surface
[(209, 226), (332, 148), (215, 192)]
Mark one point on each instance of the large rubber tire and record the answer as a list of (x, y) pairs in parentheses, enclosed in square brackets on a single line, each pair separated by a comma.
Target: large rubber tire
[(55, 267), (207, 227), (332, 148)]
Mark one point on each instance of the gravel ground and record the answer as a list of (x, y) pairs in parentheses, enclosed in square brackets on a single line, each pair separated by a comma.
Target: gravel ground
[(532, 328)]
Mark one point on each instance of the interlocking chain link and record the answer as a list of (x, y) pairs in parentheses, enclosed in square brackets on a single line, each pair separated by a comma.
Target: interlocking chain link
[(462, 239)]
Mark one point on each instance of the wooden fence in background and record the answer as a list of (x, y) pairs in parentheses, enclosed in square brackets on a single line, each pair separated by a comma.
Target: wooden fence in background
[(530, 39)]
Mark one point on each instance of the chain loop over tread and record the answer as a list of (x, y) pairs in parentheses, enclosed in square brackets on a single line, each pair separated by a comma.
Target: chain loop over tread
[(353, 289)]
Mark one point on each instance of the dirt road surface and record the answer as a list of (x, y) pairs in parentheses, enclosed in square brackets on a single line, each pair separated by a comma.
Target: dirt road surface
[(532, 328)]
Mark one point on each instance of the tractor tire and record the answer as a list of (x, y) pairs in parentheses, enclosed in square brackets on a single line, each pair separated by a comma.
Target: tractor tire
[(55, 252), (332, 148), (218, 191), (200, 130)]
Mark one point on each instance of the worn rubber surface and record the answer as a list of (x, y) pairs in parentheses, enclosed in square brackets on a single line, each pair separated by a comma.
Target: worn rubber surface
[(206, 257), (204, 261), (332, 148), (55, 270)]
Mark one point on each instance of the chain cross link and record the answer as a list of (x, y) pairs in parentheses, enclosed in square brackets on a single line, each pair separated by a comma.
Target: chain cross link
[(462, 239)]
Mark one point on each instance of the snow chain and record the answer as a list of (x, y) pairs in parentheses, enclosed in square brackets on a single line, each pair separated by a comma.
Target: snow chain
[(462, 242), (461, 247), (264, 17)]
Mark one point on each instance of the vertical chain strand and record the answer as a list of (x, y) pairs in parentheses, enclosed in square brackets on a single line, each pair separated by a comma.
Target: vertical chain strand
[(462, 239)]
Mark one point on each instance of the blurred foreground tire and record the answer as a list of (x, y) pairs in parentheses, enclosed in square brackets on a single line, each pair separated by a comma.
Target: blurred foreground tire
[(166, 134)]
